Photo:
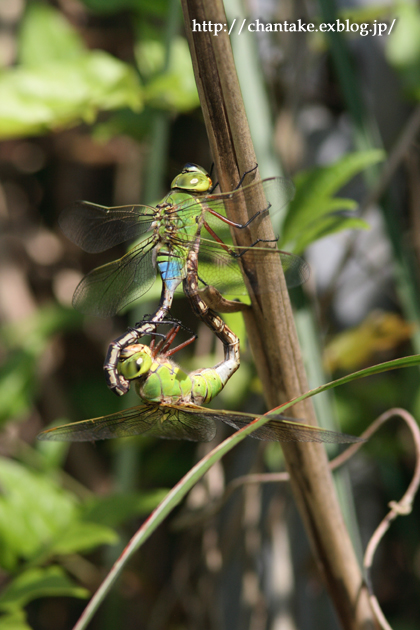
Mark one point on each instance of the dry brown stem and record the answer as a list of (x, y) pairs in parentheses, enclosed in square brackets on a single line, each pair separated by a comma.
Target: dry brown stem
[(271, 330), (398, 508)]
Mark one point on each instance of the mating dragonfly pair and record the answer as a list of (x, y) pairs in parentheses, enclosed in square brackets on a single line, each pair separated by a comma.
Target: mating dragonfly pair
[(173, 244)]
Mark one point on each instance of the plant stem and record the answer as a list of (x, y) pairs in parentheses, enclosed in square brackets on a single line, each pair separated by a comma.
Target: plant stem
[(272, 331)]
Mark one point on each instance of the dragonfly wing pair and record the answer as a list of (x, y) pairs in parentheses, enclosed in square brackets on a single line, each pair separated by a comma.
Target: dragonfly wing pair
[(192, 423), (155, 420), (110, 288)]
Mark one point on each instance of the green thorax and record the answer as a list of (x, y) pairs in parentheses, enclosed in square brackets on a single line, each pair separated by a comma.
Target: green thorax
[(179, 219), (191, 183), (162, 381), (172, 221)]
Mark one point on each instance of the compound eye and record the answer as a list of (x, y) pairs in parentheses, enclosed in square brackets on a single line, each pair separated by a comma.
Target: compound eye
[(139, 363), (190, 168)]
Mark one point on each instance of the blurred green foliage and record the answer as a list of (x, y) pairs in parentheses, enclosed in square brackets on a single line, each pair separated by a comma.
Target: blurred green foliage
[(403, 47), (58, 82), (316, 212)]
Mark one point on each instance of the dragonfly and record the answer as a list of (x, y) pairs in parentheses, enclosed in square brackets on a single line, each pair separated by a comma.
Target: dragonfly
[(181, 240), (172, 402)]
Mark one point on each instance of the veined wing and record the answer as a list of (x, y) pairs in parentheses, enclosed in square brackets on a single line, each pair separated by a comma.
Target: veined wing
[(219, 268), (155, 420), (278, 429), (97, 228), (278, 191), (109, 288)]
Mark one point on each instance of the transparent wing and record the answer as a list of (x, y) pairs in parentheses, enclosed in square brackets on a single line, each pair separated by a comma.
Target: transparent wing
[(278, 191), (220, 268), (155, 420), (96, 228), (107, 289), (279, 428)]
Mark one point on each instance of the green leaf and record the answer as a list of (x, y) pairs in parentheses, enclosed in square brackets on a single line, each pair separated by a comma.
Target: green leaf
[(82, 537), (39, 582), (176, 88), (114, 510), (64, 93), (314, 197), (59, 82), (39, 519), (327, 226), (14, 620), (150, 56), (33, 511), (45, 35)]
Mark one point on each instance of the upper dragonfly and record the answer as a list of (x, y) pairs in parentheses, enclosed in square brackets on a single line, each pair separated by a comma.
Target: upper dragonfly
[(172, 233), (173, 226)]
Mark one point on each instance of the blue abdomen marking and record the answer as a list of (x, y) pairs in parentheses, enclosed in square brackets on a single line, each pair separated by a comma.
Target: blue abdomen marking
[(171, 271)]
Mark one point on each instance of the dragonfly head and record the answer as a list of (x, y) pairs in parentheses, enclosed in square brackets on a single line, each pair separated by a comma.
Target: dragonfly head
[(135, 361), (193, 178)]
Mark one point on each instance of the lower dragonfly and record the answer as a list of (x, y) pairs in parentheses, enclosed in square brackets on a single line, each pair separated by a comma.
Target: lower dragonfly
[(173, 238), (172, 400)]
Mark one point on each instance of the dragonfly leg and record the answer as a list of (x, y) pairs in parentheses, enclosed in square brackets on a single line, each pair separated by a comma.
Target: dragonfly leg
[(181, 346), (240, 226), (166, 342), (259, 240), (251, 170), (257, 214), (162, 348)]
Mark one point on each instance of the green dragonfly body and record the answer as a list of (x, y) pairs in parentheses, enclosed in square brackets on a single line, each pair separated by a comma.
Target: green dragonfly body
[(172, 408), (174, 246)]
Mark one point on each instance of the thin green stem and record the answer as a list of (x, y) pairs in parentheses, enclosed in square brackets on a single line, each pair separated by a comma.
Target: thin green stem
[(178, 492)]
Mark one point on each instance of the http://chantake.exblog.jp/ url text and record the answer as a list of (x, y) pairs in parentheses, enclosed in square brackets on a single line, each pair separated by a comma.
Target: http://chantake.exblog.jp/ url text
[(374, 28)]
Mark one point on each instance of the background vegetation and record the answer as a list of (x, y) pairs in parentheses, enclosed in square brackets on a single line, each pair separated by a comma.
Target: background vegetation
[(98, 102)]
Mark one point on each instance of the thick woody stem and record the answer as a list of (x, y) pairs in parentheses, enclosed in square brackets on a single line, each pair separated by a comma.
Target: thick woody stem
[(271, 328)]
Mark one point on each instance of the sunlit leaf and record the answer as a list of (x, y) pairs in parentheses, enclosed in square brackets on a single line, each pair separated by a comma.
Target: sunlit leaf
[(314, 200), (174, 89), (46, 35), (63, 93)]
